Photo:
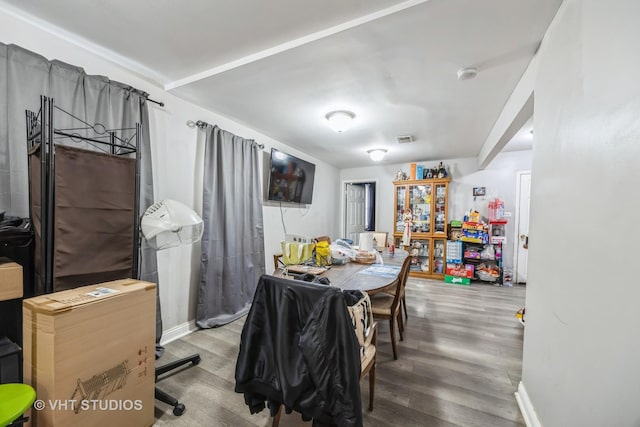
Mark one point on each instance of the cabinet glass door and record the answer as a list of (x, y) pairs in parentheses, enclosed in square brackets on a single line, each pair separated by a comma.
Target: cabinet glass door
[(438, 263), (420, 205), (401, 192), (440, 220), (419, 254)]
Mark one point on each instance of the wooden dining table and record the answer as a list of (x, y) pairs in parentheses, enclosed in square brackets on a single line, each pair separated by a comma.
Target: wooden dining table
[(370, 278)]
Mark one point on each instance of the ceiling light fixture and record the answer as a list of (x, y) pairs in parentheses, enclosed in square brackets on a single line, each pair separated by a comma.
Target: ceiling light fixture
[(340, 120), (467, 73), (377, 154)]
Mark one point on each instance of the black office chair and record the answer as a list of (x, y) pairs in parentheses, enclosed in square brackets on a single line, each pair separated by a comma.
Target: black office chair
[(178, 408)]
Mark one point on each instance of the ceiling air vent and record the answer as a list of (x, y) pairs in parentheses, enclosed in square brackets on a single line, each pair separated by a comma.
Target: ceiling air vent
[(404, 139)]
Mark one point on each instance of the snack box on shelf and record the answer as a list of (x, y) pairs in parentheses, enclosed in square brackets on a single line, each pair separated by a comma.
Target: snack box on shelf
[(473, 226), (472, 254), (472, 239), (455, 234)]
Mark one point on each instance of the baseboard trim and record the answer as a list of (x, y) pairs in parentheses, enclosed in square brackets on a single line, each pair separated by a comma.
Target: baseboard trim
[(526, 407), (178, 332)]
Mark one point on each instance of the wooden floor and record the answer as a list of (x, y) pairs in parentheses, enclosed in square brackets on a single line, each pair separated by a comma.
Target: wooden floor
[(459, 365)]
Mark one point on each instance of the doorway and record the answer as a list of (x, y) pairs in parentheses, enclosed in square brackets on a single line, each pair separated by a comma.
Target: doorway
[(360, 208), (523, 196)]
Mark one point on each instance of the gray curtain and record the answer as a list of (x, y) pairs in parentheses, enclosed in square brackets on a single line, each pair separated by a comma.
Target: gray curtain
[(233, 241), (24, 76)]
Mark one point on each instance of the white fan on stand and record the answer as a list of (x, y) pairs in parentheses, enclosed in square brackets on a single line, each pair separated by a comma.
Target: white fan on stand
[(167, 224)]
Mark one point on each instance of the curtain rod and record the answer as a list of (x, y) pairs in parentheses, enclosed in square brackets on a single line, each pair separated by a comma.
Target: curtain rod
[(201, 125), (155, 102)]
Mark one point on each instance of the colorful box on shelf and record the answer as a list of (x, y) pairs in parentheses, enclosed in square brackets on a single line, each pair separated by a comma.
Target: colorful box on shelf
[(461, 270), (457, 280), (455, 224), (454, 251), (472, 233), (472, 254), (472, 240), (472, 226), (475, 234), (455, 234)]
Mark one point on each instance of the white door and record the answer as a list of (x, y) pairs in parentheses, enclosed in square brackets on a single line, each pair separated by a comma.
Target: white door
[(355, 211), (522, 236)]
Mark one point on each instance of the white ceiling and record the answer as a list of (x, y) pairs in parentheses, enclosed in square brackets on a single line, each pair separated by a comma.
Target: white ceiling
[(280, 66)]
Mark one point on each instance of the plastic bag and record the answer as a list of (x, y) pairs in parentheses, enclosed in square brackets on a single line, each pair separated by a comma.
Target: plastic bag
[(296, 253), (323, 254), (342, 252), (488, 253)]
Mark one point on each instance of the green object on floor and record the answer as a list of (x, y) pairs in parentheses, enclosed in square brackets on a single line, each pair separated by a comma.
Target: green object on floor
[(457, 280), (15, 400)]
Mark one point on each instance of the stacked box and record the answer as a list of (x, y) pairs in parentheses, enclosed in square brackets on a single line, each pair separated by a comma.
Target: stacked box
[(90, 354), (454, 251), (474, 232), (10, 280), (457, 280), (455, 234), (461, 270)]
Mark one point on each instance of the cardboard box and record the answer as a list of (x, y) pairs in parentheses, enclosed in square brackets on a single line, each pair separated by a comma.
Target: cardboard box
[(10, 280), (90, 354), (457, 280), (461, 270), (455, 234)]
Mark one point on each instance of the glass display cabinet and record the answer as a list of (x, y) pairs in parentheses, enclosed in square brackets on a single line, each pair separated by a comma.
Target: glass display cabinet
[(427, 201)]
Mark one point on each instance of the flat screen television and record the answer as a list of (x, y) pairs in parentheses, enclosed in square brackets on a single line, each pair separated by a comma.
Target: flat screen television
[(290, 179)]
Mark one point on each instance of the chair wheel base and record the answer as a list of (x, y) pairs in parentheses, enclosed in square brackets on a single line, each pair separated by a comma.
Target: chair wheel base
[(178, 409)]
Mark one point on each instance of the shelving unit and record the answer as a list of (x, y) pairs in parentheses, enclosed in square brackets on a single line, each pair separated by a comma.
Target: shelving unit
[(471, 252), (428, 201)]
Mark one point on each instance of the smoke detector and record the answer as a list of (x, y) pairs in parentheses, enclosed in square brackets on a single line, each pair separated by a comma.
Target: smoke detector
[(467, 73), (403, 139)]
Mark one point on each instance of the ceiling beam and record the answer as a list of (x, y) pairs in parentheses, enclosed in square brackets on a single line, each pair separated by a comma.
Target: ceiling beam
[(309, 38), (515, 114)]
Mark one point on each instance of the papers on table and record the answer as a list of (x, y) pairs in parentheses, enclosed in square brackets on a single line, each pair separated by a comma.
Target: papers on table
[(380, 270)]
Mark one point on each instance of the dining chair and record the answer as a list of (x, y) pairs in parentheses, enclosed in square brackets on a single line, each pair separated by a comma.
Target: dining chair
[(381, 239), (367, 332), (387, 306), (291, 333), (277, 261)]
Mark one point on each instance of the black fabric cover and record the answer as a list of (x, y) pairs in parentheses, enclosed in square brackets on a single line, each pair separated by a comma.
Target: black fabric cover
[(298, 348)]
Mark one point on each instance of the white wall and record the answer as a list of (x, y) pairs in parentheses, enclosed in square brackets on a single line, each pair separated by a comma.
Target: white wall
[(499, 177), (177, 152), (582, 343)]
